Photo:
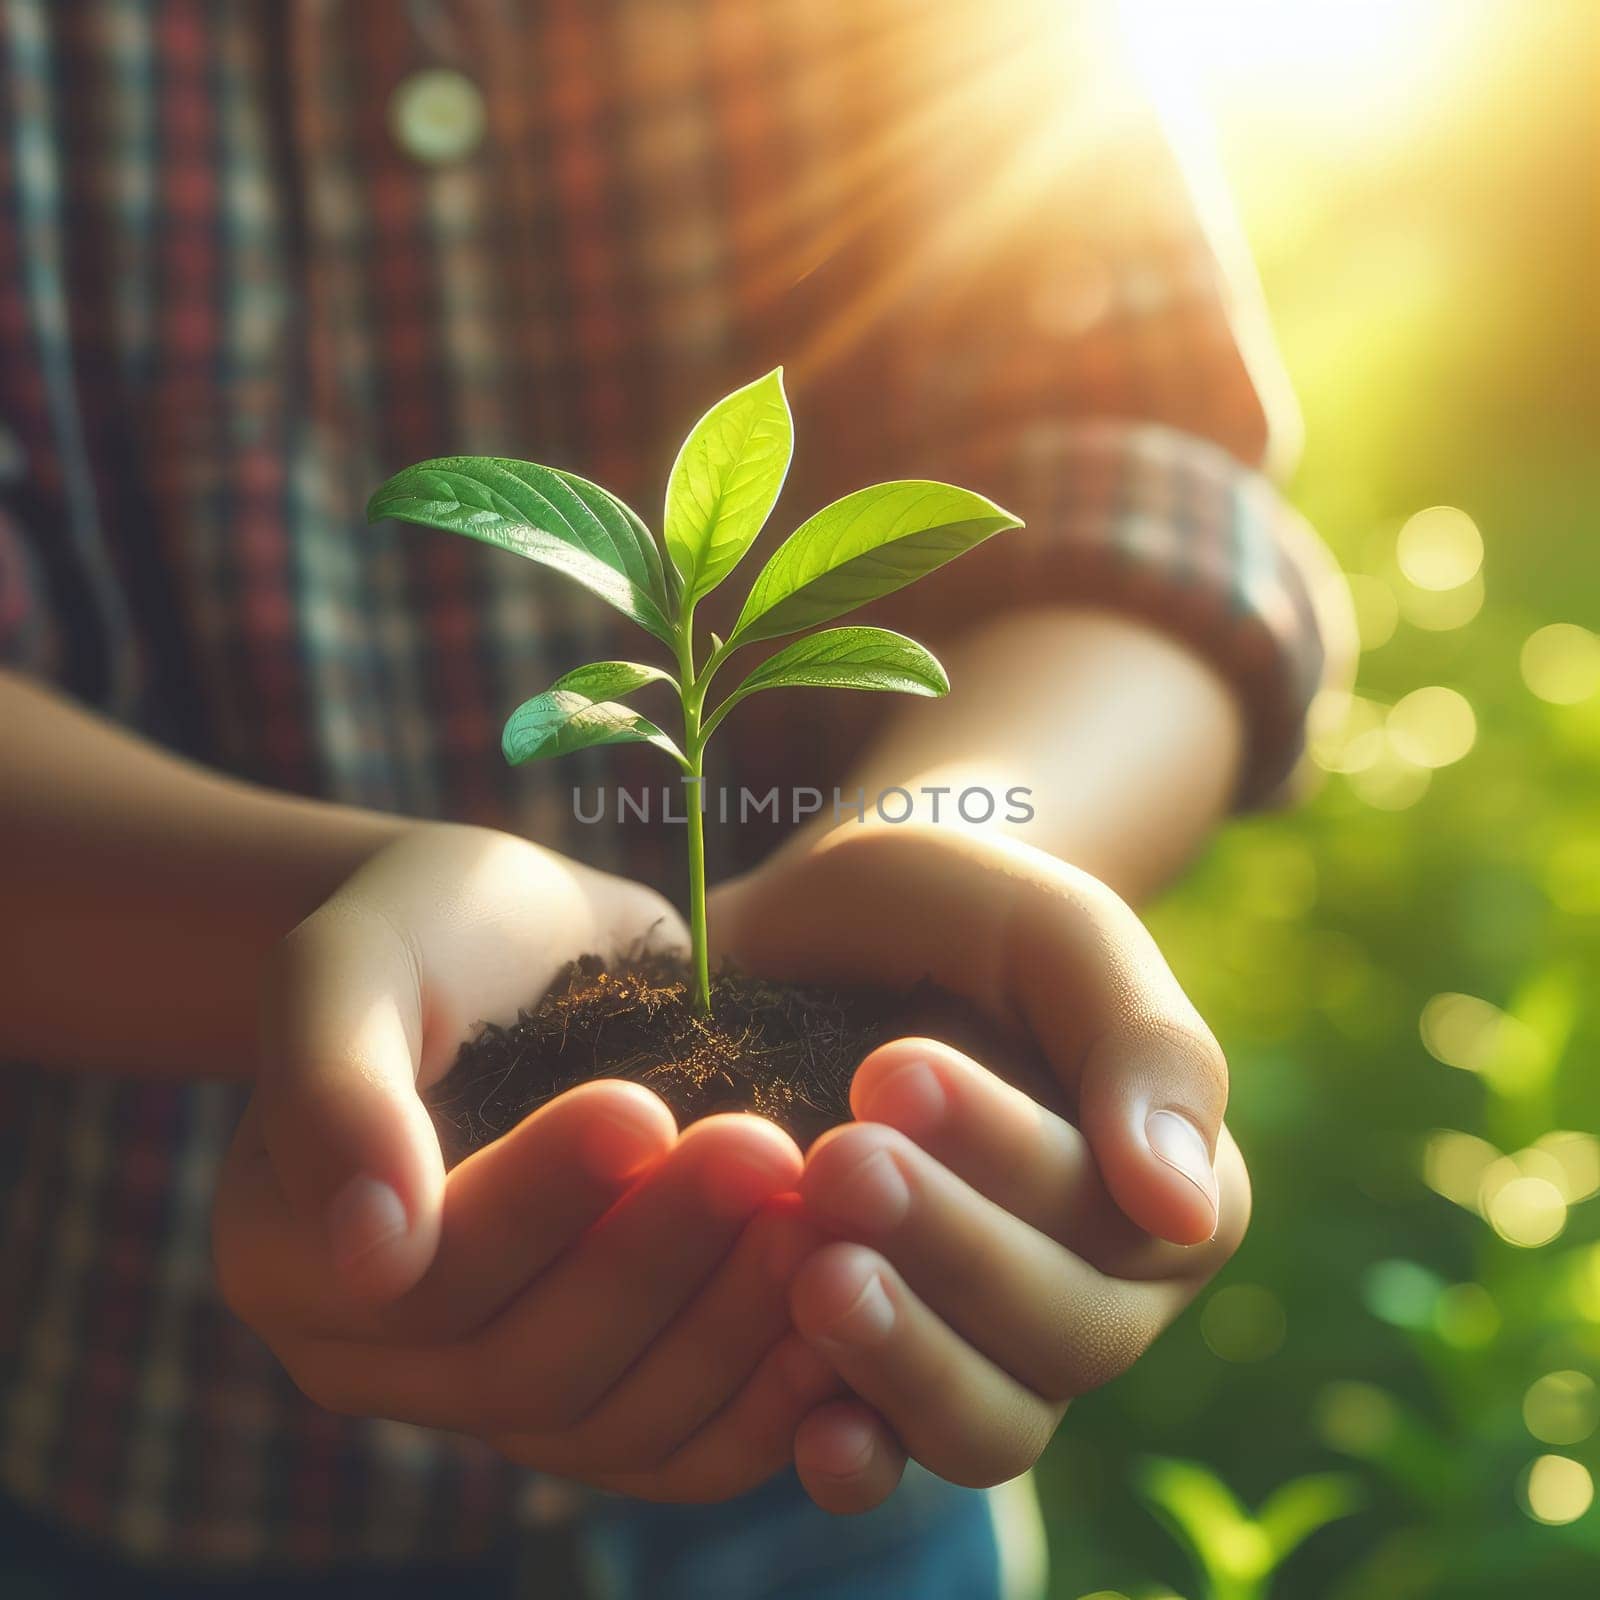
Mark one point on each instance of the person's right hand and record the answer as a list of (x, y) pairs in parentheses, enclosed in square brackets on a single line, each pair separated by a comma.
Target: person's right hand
[(595, 1294)]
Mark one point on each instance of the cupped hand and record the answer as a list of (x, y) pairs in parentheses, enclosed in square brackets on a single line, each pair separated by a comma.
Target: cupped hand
[(595, 1294), (1004, 1239)]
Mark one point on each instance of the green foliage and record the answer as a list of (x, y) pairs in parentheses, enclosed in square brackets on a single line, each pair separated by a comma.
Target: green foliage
[(560, 721), (1236, 1552), (604, 680), (555, 518), (725, 482), (1435, 319), (845, 658), (861, 548), (723, 487)]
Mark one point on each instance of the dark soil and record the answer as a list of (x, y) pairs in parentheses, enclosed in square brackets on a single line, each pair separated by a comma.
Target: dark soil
[(785, 1052)]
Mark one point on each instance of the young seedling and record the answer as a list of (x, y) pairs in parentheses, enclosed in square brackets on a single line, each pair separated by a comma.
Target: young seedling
[(722, 489)]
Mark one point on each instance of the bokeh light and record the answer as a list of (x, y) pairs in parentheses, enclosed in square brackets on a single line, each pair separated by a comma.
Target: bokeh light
[(1557, 1489), (1576, 1157), (1471, 1034), (1346, 732), (1357, 1418), (1433, 1238), (1462, 1031), (1389, 754), (1439, 549), (1440, 610), (1377, 611), (1401, 1293), (1243, 1322), (1526, 1211), (1524, 1197), (1453, 1165), (1562, 1408), (1432, 727), (1389, 782), (1561, 663)]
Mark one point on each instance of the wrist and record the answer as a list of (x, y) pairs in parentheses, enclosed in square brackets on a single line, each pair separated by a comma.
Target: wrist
[(139, 929)]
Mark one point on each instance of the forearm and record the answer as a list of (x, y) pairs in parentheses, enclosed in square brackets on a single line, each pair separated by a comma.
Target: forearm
[(142, 894), (1129, 743)]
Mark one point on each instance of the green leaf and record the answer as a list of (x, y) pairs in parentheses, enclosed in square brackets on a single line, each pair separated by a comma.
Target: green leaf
[(560, 721), (843, 658), (610, 680), (555, 518), (864, 546), (849, 658), (1292, 1513), (1202, 1511), (726, 481)]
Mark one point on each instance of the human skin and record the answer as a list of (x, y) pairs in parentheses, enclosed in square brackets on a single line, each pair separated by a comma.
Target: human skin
[(472, 1299), (984, 1268), (994, 1258)]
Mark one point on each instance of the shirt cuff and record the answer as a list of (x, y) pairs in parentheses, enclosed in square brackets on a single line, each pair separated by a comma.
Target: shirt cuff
[(1158, 524)]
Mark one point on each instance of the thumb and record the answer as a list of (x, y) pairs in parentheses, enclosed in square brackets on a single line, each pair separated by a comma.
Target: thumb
[(346, 1132), (1149, 1080), (1151, 1099), (630, 919)]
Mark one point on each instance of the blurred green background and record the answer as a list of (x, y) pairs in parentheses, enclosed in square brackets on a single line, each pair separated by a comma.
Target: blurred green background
[(1391, 1391)]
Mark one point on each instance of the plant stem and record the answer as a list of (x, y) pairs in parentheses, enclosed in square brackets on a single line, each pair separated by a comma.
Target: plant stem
[(697, 889), (694, 750)]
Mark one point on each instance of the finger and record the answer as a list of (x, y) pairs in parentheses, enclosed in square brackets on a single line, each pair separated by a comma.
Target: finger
[(846, 1458), (649, 1255), (748, 1441), (1000, 1140), (372, 995), (630, 918), (545, 1361), (1041, 1313), (1043, 946), (514, 1206), (952, 1408), (1152, 1082), (507, 1212), (1030, 1161), (347, 1135), (1035, 1165), (494, 920), (705, 1357)]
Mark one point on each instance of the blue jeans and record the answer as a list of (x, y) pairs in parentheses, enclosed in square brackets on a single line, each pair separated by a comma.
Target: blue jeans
[(930, 1541)]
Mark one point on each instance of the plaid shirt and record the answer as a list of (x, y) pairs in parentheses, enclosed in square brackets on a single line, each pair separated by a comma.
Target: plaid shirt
[(251, 262)]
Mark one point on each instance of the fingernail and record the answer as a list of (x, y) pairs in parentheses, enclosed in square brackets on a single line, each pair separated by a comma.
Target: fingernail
[(911, 1098), (871, 1195), (363, 1216), (1175, 1140), (840, 1450), (868, 1319), (734, 1185), (616, 1147)]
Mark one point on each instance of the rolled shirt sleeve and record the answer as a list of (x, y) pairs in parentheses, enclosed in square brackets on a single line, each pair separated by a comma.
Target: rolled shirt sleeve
[(1066, 321)]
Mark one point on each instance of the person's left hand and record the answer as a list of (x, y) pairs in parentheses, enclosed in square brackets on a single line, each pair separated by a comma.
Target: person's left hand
[(999, 1251)]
